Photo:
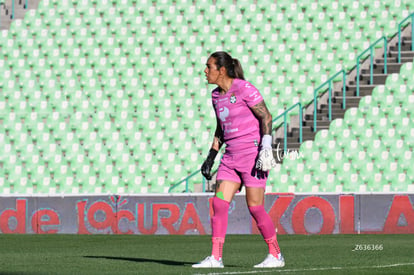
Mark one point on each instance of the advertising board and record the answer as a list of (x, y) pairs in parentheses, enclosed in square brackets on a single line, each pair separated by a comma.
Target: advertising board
[(190, 214)]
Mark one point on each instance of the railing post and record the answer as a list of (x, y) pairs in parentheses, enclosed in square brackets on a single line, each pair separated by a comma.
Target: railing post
[(315, 107), (12, 13), (412, 31), (300, 124), (385, 54), (343, 90), (315, 98), (285, 131), (371, 66), (371, 60), (357, 77), (284, 115), (399, 34), (330, 101)]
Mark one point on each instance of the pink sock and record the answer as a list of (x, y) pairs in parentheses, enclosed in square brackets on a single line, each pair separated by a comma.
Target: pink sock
[(217, 250), (266, 228), (274, 248), (219, 226)]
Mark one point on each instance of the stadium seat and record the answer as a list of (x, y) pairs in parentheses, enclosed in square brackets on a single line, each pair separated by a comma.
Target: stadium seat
[(349, 179), (406, 71), (281, 181)]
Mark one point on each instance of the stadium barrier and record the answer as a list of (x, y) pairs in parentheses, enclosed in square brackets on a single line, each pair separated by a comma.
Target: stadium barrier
[(190, 214)]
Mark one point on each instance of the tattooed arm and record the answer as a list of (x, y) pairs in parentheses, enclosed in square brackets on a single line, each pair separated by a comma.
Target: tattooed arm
[(266, 161), (265, 118)]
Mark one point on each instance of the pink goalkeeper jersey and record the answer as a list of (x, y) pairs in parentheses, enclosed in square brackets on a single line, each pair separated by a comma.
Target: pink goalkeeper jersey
[(241, 129)]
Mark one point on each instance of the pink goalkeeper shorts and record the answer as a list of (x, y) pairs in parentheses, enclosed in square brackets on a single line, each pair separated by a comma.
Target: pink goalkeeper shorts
[(240, 168)]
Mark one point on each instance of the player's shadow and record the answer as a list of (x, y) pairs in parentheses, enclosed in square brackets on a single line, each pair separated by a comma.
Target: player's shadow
[(142, 260), (145, 260)]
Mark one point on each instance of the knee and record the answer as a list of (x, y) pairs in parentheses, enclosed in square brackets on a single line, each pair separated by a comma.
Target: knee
[(220, 206), (256, 210)]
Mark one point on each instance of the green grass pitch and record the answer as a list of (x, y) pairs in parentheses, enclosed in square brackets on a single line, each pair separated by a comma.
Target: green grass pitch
[(138, 254)]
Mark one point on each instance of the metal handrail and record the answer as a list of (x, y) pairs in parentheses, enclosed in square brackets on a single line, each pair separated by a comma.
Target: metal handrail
[(371, 67), (399, 34), (186, 179), (284, 115), (315, 97), (12, 13)]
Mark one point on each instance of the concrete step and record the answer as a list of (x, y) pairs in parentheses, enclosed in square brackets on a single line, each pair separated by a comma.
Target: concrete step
[(377, 79), (350, 101), (336, 112), (405, 46), (319, 116), (379, 65), (320, 124), (340, 93), (363, 89), (394, 59), (403, 53)]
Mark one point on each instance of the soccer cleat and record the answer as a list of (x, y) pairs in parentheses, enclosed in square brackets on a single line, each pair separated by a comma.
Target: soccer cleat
[(209, 262), (271, 261)]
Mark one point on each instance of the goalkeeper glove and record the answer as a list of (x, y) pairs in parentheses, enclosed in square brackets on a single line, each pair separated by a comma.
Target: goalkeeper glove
[(208, 164), (266, 160)]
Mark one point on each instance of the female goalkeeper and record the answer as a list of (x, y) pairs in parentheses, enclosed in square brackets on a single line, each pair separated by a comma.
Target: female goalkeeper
[(244, 124)]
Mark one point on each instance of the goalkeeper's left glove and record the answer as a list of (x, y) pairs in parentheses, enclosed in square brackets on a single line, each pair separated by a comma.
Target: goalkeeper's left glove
[(266, 161), (208, 164)]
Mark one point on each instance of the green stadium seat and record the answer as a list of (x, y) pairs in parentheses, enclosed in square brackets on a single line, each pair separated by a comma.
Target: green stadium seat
[(347, 177), (280, 181), (328, 183), (304, 182), (366, 170), (307, 148), (403, 125), (89, 184), (377, 183), (68, 186), (399, 183), (4, 183), (322, 137), (352, 115), (406, 71), (379, 92), (21, 185)]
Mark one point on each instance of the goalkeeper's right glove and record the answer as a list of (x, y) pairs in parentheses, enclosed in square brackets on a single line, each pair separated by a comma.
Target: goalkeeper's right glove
[(208, 164), (266, 160)]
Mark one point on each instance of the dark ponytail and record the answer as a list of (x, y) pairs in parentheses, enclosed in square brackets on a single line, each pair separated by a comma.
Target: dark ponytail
[(232, 65)]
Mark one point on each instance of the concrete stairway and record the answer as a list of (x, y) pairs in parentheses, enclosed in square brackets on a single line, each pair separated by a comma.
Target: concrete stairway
[(352, 100)]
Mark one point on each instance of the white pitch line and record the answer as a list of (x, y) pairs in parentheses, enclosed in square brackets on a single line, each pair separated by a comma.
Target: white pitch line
[(272, 270)]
